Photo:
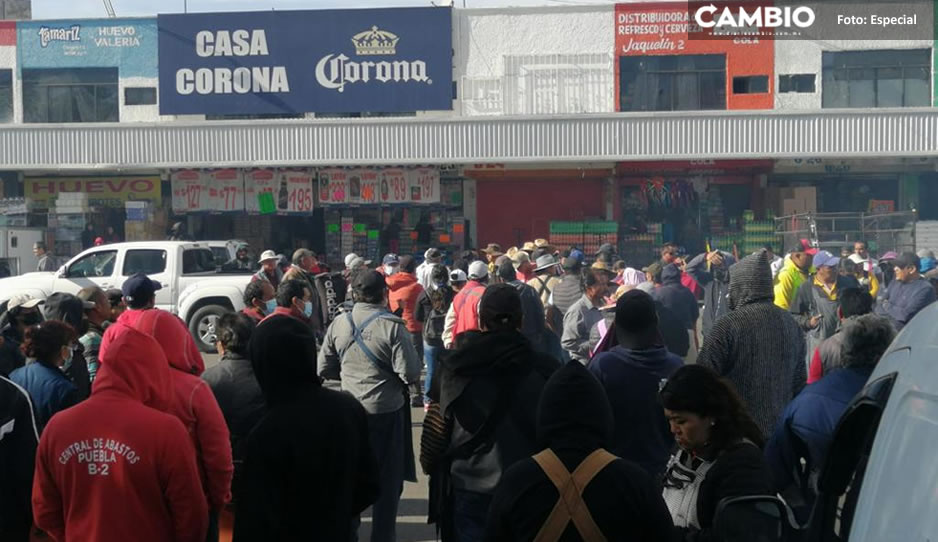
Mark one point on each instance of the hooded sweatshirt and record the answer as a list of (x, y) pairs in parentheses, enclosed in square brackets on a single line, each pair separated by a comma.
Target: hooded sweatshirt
[(677, 298), (194, 404), (490, 388), (403, 291), (309, 468), (116, 467), (18, 440), (630, 379), (574, 419), (758, 346)]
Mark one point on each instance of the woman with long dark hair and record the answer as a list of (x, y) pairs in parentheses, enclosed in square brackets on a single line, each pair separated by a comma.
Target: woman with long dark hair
[(47, 346), (719, 451)]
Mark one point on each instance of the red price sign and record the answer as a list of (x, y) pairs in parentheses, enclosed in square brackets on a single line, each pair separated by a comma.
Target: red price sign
[(425, 185), (295, 194), (226, 192), (256, 182), (187, 191), (394, 186)]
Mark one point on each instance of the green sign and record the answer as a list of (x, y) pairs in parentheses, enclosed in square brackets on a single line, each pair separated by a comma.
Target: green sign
[(265, 201), (359, 228), (373, 234), (332, 228)]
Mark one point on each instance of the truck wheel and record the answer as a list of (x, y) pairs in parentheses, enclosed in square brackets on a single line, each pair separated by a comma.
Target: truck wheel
[(202, 326)]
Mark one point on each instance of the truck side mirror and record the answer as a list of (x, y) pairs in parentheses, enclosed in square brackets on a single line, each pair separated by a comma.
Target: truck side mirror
[(62, 272), (765, 518)]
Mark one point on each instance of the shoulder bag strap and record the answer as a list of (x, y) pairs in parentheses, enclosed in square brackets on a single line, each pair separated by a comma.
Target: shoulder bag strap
[(357, 337)]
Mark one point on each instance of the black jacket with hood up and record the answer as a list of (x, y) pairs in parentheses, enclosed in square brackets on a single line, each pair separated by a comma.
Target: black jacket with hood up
[(677, 298), (574, 419), (758, 346), (490, 389), (309, 468)]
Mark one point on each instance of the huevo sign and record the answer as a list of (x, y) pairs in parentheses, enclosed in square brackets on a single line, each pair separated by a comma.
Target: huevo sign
[(331, 61), (41, 192)]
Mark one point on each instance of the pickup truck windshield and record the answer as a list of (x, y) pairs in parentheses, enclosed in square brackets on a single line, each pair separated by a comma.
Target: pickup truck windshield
[(197, 261)]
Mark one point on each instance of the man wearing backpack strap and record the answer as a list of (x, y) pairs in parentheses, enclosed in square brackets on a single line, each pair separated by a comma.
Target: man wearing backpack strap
[(370, 351), (575, 489)]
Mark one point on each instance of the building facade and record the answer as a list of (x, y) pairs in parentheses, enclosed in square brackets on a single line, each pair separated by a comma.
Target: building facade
[(398, 129)]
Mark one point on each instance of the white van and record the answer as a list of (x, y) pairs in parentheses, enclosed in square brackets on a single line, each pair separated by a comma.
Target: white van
[(879, 482)]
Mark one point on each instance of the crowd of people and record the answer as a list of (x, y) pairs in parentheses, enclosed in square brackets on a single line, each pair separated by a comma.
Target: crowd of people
[(566, 396)]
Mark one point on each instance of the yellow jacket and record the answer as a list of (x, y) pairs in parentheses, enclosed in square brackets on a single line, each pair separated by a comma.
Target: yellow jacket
[(790, 279)]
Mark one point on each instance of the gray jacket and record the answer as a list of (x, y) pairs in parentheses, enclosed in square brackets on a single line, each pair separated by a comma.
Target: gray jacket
[(46, 263), (340, 358), (577, 323)]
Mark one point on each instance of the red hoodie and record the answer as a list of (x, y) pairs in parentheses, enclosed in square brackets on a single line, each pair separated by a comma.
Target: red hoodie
[(116, 468), (403, 291), (194, 403)]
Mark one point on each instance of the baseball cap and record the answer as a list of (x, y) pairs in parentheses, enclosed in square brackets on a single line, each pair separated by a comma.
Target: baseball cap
[(888, 256), (570, 263), (655, 269), (606, 247), (25, 301), (925, 253), (908, 259), (825, 258), (267, 255), (139, 287), (577, 255), (478, 270), (433, 254), (391, 259), (369, 281), (457, 276), (350, 258)]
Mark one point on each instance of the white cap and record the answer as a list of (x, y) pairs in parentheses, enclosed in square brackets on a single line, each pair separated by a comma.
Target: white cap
[(349, 259), (268, 255), (23, 300), (457, 275), (478, 270)]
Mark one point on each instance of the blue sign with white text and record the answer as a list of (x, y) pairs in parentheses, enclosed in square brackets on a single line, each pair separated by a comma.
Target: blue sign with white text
[(126, 44), (330, 61)]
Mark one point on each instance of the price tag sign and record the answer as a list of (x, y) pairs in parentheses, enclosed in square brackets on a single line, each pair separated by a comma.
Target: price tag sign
[(187, 187), (424, 185), (256, 183), (295, 193), (364, 185), (395, 186), (226, 191), (334, 186)]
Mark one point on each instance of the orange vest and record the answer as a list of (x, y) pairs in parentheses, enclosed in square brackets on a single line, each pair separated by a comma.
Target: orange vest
[(466, 308)]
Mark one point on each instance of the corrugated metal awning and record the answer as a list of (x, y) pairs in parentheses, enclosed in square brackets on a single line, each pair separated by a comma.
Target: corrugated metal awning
[(464, 140)]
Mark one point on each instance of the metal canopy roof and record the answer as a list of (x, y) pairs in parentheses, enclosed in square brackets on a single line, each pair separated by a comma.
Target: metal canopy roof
[(695, 135)]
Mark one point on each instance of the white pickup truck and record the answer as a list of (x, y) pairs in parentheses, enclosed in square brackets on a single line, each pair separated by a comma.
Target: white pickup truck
[(192, 286)]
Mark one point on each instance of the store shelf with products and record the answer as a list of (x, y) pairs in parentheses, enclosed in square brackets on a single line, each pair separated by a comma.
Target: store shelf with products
[(588, 236)]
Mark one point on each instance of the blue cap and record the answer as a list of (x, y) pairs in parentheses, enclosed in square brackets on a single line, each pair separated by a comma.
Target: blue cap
[(139, 287), (577, 255), (825, 258), (391, 259)]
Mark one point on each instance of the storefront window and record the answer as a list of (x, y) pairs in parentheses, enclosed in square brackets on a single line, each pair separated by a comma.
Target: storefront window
[(70, 95), (890, 78), (6, 96), (672, 83)]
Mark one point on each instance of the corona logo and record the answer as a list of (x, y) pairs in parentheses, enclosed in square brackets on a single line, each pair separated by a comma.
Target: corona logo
[(335, 71), (375, 42)]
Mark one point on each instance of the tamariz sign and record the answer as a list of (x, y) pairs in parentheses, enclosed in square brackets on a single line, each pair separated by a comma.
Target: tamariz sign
[(329, 61)]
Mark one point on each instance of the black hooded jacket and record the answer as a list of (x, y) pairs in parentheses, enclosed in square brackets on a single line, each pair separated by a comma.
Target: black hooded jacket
[(71, 310), (574, 419), (677, 298), (308, 467), (490, 389), (758, 346)]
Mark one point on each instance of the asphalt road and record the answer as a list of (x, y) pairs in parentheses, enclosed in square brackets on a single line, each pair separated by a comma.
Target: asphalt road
[(412, 514)]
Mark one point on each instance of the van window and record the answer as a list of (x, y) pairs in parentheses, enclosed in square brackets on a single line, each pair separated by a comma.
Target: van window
[(96, 264), (198, 260), (842, 477), (149, 262)]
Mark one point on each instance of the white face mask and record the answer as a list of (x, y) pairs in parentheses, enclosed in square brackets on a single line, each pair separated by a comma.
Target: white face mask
[(391, 269)]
